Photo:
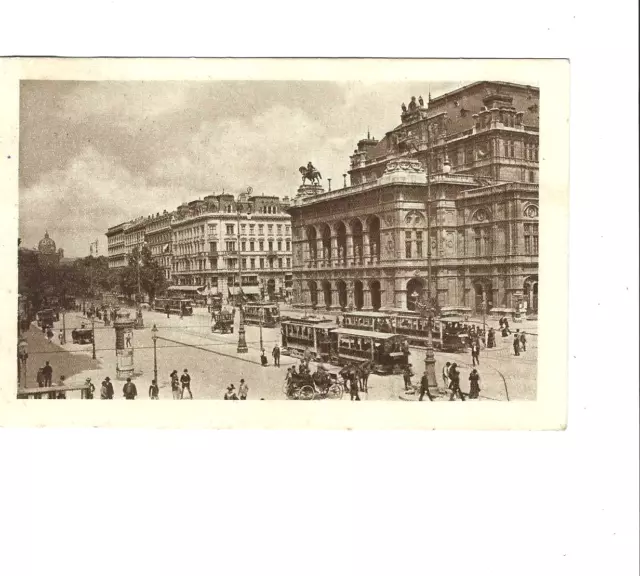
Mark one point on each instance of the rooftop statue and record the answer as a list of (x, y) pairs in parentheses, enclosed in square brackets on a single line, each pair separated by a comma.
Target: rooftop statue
[(413, 105), (310, 173)]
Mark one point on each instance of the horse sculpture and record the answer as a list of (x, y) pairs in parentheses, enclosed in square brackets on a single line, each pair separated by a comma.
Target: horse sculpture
[(313, 176)]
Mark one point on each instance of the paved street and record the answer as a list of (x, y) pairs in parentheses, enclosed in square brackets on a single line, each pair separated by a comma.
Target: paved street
[(213, 362)]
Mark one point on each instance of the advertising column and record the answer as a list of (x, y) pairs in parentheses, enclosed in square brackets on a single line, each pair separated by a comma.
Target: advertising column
[(124, 346)]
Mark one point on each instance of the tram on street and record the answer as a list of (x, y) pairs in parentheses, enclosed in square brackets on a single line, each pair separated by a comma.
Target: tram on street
[(254, 312), (174, 305), (447, 333), (387, 352), (308, 333)]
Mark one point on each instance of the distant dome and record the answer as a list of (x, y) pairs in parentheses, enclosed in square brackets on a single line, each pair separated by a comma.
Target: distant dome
[(47, 245)]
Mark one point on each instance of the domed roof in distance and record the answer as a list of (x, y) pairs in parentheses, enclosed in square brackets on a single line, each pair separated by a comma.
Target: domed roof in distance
[(47, 245)]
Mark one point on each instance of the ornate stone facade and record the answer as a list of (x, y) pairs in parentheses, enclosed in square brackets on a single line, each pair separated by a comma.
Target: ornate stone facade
[(366, 245)]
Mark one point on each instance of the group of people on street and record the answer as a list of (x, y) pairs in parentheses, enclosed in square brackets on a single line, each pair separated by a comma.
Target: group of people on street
[(243, 391), (179, 385), (451, 381)]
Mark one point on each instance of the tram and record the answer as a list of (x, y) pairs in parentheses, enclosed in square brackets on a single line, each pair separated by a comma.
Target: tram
[(254, 311), (174, 305), (387, 352), (447, 333), (309, 333)]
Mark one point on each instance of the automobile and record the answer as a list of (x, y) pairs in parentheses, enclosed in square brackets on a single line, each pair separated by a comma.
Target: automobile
[(82, 336)]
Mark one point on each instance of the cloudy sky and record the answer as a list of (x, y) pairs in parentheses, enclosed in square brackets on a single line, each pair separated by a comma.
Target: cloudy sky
[(94, 154)]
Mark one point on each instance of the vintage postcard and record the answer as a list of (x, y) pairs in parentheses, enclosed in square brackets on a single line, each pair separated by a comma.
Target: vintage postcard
[(345, 244)]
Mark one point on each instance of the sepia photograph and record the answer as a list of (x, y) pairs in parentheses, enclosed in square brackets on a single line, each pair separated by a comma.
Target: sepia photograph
[(321, 241)]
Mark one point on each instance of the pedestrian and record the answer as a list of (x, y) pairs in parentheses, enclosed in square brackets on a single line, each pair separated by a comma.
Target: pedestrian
[(406, 375), (62, 395), (185, 380), (230, 393), (243, 390), (424, 388), (454, 386), (475, 353), (353, 386), (506, 324), (175, 385), (263, 358), (523, 341), (516, 345), (106, 389), (166, 309), (49, 334), (60, 336), (474, 386), (276, 355), (445, 375), (491, 338), (47, 373), (154, 390), (181, 312), (89, 393), (129, 390)]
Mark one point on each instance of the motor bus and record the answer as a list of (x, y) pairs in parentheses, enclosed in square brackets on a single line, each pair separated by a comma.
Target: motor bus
[(309, 333), (174, 305), (268, 313)]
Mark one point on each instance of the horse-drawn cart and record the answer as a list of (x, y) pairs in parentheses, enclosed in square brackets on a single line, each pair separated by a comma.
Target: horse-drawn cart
[(320, 384)]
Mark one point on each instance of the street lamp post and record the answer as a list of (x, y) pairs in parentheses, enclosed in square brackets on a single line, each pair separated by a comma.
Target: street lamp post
[(64, 328), (22, 362), (242, 341), (93, 336), (139, 322), (154, 331)]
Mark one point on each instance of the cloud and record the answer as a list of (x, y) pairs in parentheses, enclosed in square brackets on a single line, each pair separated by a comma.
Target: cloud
[(78, 203)]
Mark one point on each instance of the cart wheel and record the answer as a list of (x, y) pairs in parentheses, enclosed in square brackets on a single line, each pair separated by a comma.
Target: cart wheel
[(306, 393), (335, 392)]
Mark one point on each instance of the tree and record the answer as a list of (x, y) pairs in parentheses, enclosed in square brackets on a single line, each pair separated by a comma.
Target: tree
[(152, 280)]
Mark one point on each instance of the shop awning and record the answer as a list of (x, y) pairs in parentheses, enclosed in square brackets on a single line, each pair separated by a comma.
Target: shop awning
[(190, 289), (247, 290)]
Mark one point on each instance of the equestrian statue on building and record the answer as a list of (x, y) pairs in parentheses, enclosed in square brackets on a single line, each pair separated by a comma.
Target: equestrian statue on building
[(310, 173)]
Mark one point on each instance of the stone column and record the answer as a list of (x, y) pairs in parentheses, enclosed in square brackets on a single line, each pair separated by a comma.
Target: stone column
[(366, 253), (335, 299), (351, 302), (319, 255), (334, 250), (350, 253)]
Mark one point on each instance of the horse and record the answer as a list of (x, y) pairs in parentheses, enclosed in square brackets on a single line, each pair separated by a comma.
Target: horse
[(363, 372), (314, 177)]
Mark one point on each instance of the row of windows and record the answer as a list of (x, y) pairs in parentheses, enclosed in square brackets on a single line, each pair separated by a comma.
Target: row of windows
[(531, 239), (231, 264), (212, 230)]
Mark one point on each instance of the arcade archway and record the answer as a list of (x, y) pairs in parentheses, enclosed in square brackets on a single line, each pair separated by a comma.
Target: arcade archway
[(358, 295), (414, 286), (376, 294), (342, 293), (326, 291)]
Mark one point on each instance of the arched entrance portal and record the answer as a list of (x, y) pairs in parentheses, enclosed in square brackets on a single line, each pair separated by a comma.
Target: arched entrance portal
[(342, 294), (374, 239), (326, 290), (358, 295), (313, 291), (326, 244), (376, 296), (482, 294), (312, 239), (531, 293), (271, 288), (341, 232), (415, 288)]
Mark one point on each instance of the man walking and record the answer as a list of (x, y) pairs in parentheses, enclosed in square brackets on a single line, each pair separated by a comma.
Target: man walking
[(445, 375), (523, 341), (353, 386), (276, 356), (475, 353), (185, 380), (106, 389), (47, 374), (129, 390), (406, 375), (516, 345), (243, 390), (153, 390), (454, 377), (424, 388)]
